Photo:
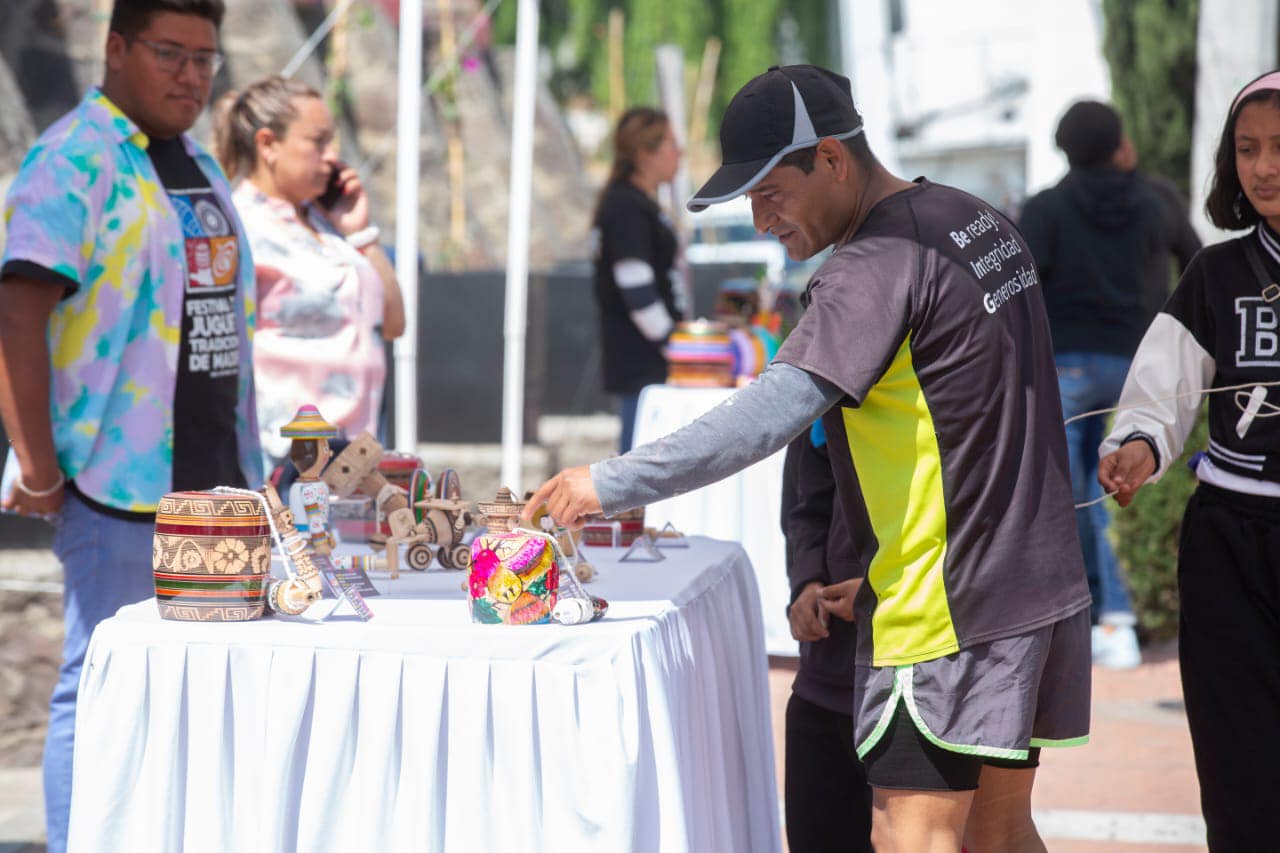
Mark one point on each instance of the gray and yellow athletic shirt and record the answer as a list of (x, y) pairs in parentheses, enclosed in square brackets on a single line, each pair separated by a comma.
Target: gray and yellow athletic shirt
[(931, 322)]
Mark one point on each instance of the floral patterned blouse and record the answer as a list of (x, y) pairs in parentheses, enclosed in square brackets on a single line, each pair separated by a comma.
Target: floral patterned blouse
[(319, 312)]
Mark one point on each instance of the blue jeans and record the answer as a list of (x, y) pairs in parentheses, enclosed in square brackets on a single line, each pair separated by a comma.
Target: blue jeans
[(628, 404), (106, 564), (1089, 381)]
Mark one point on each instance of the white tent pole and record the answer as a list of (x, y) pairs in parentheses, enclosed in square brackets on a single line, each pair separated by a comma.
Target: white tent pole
[(408, 125), (669, 59), (522, 103)]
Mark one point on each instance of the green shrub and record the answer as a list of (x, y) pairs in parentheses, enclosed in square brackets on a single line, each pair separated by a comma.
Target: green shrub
[(1145, 536)]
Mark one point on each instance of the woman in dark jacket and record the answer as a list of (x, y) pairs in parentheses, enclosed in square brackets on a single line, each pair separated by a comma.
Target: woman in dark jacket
[(636, 259)]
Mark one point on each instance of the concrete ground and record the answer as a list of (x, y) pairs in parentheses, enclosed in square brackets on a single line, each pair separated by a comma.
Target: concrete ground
[(21, 810)]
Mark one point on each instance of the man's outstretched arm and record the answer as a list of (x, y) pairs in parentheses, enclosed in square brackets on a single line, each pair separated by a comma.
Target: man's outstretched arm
[(751, 425)]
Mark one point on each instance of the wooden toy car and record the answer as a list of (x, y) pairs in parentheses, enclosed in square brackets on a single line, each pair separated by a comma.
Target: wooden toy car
[(423, 517)]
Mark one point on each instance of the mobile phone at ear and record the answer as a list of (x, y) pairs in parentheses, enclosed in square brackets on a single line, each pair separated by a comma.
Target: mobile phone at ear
[(332, 189)]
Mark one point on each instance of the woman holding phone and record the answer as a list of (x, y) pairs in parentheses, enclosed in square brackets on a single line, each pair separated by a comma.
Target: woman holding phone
[(327, 293)]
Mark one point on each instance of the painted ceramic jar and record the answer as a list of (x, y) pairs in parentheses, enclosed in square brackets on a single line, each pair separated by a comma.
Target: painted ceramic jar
[(211, 555), (514, 578)]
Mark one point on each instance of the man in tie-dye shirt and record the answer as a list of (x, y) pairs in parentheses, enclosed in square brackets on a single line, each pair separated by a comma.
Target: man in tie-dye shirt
[(125, 316)]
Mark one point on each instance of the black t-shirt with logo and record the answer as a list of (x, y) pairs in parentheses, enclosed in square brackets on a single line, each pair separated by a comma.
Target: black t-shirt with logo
[(205, 451), (949, 445)]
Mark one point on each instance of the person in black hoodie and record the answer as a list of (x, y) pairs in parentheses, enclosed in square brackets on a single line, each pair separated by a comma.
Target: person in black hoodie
[(1102, 239), (825, 791)]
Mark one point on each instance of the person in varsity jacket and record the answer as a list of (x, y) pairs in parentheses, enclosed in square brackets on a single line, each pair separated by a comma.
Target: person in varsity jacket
[(1220, 329)]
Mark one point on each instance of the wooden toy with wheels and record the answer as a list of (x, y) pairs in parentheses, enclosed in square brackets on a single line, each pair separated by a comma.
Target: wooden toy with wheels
[(356, 468), (430, 514), (418, 556), (441, 520)]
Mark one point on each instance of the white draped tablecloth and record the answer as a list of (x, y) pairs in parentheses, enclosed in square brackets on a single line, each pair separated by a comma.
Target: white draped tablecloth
[(743, 508), (420, 731)]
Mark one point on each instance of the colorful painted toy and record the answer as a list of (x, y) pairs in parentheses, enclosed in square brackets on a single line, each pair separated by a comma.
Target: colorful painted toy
[(309, 494), (514, 577)]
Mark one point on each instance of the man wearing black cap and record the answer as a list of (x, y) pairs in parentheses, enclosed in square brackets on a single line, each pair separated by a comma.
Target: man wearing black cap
[(1101, 239), (925, 351)]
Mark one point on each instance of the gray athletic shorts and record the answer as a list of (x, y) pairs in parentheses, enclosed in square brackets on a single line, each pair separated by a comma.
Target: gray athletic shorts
[(994, 700)]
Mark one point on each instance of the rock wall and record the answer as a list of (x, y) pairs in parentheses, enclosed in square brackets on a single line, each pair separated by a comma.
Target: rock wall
[(30, 651), (17, 132)]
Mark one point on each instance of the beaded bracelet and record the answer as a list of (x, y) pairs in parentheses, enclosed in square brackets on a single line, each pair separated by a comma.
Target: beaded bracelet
[(43, 493)]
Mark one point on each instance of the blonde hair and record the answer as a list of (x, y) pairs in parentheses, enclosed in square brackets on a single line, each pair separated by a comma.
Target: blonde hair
[(238, 116), (639, 128)]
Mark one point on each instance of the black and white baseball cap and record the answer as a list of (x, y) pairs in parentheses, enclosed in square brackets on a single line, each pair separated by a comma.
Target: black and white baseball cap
[(783, 110)]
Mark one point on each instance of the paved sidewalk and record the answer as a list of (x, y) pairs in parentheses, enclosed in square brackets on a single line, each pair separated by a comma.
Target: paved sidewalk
[(21, 810), (1132, 789)]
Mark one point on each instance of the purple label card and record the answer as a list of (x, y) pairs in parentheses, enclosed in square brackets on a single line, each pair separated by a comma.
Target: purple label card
[(337, 584)]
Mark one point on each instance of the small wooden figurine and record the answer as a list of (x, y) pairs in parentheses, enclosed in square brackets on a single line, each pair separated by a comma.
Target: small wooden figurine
[(295, 595), (309, 495)]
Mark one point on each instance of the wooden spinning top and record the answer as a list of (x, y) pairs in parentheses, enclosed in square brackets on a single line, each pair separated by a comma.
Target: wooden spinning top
[(502, 514)]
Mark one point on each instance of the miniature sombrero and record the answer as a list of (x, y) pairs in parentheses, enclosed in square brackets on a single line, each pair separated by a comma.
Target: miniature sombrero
[(308, 423)]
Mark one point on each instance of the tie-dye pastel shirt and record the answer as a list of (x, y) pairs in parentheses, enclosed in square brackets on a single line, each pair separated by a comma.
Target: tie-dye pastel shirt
[(88, 205)]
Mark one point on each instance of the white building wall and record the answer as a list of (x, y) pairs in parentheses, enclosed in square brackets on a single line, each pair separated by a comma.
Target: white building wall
[(1068, 66), (982, 83), (866, 54)]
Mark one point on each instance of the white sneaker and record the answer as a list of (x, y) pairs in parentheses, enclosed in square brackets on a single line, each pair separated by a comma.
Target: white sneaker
[(1115, 647)]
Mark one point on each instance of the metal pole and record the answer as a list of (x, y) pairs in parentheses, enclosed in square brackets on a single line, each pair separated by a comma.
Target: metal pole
[(522, 102), (408, 124), (669, 59)]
